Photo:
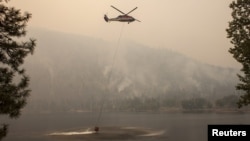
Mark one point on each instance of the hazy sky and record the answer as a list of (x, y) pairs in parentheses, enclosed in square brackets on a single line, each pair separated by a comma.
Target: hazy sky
[(195, 28)]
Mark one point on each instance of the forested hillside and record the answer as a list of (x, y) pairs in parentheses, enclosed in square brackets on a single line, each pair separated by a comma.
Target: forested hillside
[(71, 72)]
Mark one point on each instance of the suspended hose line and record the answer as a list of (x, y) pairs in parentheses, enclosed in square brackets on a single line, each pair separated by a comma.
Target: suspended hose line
[(109, 78)]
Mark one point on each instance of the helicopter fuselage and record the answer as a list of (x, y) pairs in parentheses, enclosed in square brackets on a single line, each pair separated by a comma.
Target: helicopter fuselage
[(122, 18)]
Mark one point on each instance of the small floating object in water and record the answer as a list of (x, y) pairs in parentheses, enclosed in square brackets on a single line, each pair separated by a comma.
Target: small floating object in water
[(96, 129)]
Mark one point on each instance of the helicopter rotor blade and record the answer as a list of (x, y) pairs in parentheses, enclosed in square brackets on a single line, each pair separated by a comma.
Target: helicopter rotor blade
[(137, 20), (117, 9), (131, 10)]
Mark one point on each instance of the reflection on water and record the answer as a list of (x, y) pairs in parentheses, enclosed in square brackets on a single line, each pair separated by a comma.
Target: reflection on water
[(109, 133), (119, 126), (72, 133), (157, 133)]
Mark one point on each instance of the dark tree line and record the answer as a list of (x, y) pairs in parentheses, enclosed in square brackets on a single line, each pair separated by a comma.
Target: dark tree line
[(13, 79), (239, 33)]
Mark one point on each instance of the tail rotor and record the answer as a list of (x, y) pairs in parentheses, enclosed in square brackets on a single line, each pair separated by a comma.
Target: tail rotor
[(106, 18)]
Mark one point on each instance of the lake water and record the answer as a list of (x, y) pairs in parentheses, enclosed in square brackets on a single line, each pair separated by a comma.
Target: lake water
[(164, 126)]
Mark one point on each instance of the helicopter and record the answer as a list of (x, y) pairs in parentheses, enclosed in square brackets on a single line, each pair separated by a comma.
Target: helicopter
[(122, 18)]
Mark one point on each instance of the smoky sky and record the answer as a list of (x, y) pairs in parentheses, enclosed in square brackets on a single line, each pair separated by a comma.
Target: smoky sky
[(195, 28)]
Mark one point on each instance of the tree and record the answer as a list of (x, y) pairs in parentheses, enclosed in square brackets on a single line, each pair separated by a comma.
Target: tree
[(196, 104), (239, 32), (13, 79), (227, 102)]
